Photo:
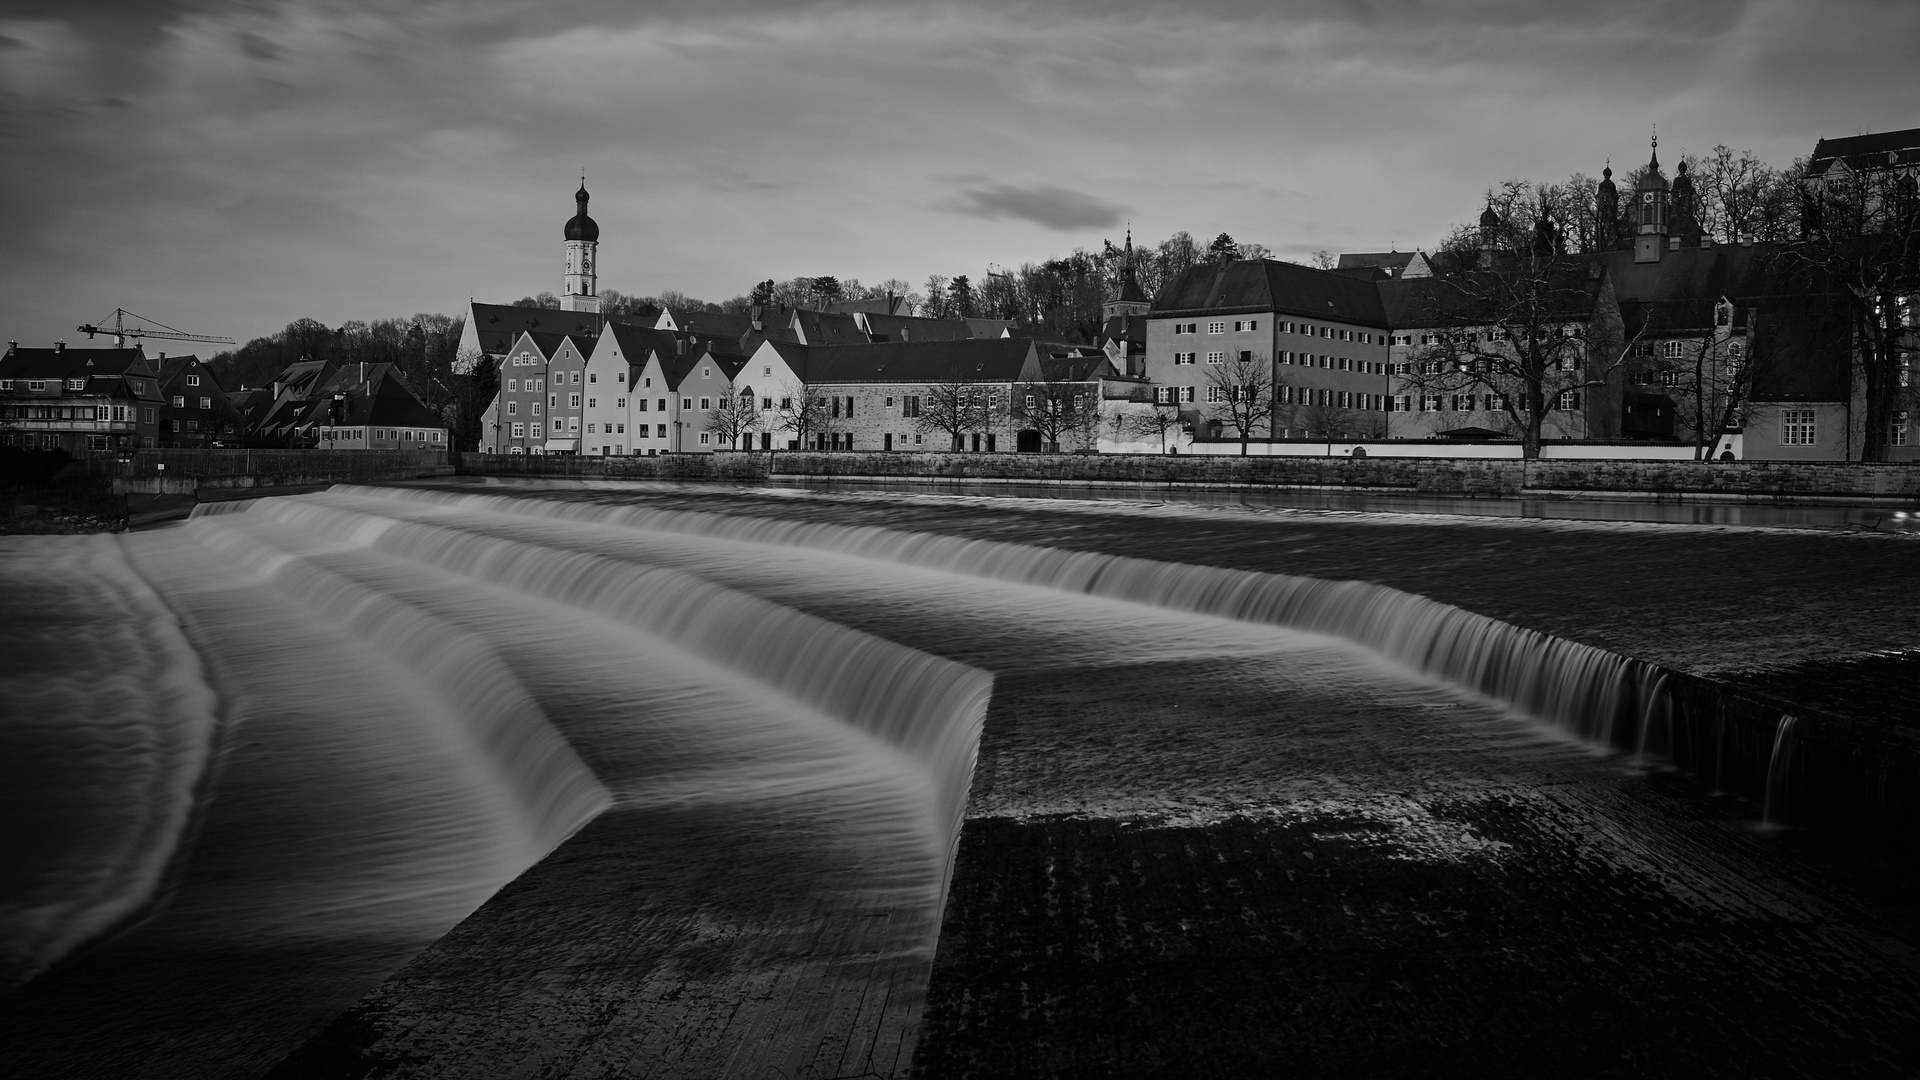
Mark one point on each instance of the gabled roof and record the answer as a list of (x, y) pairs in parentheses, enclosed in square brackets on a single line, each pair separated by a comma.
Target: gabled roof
[(1439, 301), (497, 325), (710, 323), (73, 363), (1075, 368), (1002, 360), (828, 328), (986, 328), (873, 305), (1271, 285), (1131, 329), (1888, 149), (638, 342), (916, 328), (380, 400)]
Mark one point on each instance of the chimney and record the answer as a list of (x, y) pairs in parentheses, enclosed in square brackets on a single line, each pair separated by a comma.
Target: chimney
[(11, 345), (59, 346), (163, 356)]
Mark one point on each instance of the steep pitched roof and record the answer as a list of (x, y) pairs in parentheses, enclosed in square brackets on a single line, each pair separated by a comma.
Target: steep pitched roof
[(1888, 149), (828, 328), (974, 359), (379, 398), (497, 325), (710, 323), (638, 342), (1075, 368), (916, 328), (73, 363), (1271, 285)]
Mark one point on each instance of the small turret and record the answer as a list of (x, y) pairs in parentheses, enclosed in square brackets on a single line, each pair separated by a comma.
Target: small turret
[(1606, 211), (1650, 211)]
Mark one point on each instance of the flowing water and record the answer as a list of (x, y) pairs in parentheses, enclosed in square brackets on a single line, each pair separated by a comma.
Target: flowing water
[(270, 755)]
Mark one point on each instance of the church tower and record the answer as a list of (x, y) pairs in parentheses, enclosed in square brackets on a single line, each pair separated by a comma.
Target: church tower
[(1650, 211), (1685, 213), (1606, 212), (1132, 299), (583, 242)]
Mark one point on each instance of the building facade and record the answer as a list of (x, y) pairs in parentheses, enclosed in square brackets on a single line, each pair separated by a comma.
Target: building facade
[(78, 399)]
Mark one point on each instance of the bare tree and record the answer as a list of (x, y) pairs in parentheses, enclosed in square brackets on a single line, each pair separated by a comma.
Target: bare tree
[(1240, 394), (1164, 418), (1863, 240), (1518, 334), (1056, 406), (800, 412), (956, 407), (733, 419)]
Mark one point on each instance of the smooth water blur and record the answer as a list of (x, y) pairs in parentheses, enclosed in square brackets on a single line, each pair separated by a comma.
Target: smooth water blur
[(341, 721)]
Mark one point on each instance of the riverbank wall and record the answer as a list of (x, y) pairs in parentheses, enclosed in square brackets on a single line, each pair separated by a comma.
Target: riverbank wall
[(1894, 484)]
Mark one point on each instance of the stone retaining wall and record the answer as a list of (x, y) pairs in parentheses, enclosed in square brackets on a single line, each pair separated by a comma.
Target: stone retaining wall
[(182, 472), (1471, 477)]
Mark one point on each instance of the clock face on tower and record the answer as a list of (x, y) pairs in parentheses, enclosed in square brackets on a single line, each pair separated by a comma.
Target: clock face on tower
[(1647, 197), (586, 264)]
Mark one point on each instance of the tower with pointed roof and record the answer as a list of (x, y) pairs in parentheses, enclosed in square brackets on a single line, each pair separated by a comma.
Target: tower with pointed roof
[(1132, 299), (1650, 211), (1606, 212), (583, 242), (1684, 208)]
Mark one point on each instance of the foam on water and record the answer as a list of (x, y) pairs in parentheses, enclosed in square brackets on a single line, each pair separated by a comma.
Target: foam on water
[(106, 727), (1593, 694)]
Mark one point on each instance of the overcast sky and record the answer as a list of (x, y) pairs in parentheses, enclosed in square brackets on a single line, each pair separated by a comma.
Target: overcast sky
[(229, 167)]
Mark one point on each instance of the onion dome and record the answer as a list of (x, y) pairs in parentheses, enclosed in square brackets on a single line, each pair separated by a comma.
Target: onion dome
[(580, 226), (1606, 179), (1682, 183), (1489, 219)]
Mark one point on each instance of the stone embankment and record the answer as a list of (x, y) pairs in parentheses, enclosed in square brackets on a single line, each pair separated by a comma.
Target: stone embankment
[(1678, 481), (184, 472)]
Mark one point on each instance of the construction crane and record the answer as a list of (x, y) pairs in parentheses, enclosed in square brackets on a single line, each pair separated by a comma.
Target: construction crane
[(121, 332)]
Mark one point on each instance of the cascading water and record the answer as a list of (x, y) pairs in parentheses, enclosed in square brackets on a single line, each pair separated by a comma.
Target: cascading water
[(425, 691), (1595, 695), (1779, 764)]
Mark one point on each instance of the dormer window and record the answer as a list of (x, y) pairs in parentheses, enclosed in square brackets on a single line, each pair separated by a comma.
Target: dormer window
[(76, 384)]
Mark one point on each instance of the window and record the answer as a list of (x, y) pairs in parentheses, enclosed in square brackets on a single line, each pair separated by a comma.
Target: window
[(1429, 402), (910, 405), (705, 404), (1735, 350), (536, 430), (1253, 324), (513, 386), (193, 380), (6, 384), (573, 401), (519, 431), (1186, 393), (1463, 403), (1186, 328), (1897, 436), (1346, 364), (574, 377), (1215, 396), (534, 409), (663, 431), (686, 404), (1346, 335), (179, 402), (1403, 403), (1496, 401), (1326, 361), (1567, 400), (593, 376), (706, 439), (1216, 328), (206, 403), (1429, 339), (36, 384), (640, 405), (1796, 427), (76, 384), (1673, 349), (593, 403), (706, 373), (619, 403), (1669, 378), (1181, 358), (1216, 358)]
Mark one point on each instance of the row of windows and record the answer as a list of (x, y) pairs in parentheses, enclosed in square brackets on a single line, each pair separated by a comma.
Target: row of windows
[(1341, 399), (180, 402), (118, 413), (1242, 326)]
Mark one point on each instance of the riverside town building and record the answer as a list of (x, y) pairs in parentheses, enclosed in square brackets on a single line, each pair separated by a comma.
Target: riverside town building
[(1667, 332)]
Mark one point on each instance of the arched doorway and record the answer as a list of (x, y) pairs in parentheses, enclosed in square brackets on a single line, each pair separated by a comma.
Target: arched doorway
[(1028, 441)]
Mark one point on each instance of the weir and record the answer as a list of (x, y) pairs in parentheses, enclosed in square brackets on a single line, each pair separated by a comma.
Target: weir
[(571, 787)]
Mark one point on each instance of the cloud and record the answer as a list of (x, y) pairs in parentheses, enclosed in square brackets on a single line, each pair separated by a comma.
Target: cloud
[(260, 48), (1051, 207)]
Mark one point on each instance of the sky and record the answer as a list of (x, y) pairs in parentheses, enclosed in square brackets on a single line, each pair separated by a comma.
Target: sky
[(228, 167)]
